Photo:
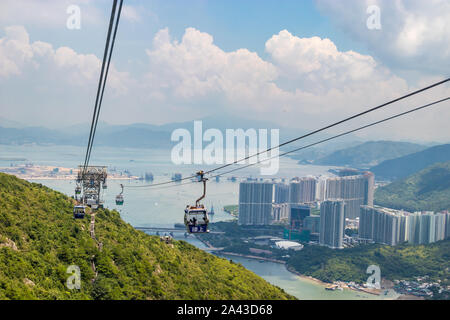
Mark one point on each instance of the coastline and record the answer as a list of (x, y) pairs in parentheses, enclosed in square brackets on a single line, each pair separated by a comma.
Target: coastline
[(252, 257), (31, 178), (39, 172), (375, 292), (305, 277)]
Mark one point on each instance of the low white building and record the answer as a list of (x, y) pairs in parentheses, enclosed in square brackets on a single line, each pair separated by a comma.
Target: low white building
[(289, 245)]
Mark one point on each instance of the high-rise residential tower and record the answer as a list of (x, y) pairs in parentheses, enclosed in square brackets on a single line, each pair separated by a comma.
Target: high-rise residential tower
[(383, 225), (332, 223), (354, 190), (281, 193), (389, 226), (426, 227), (255, 203), (302, 190)]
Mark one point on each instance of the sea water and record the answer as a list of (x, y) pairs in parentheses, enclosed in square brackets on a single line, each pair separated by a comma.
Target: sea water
[(163, 206)]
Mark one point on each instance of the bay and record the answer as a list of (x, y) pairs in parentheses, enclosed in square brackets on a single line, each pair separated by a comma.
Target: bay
[(163, 206)]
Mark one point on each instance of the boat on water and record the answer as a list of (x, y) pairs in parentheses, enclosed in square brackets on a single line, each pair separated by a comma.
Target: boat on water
[(148, 176), (333, 287)]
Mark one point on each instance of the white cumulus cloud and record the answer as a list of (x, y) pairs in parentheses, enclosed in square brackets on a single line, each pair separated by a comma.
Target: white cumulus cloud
[(306, 82), (303, 83), (20, 56)]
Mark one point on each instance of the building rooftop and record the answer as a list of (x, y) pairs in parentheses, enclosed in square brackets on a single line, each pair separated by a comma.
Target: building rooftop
[(389, 210), (284, 244)]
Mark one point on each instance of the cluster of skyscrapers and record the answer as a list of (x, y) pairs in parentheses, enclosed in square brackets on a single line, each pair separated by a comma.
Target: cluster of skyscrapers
[(344, 199), (263, 203), (389, 226)]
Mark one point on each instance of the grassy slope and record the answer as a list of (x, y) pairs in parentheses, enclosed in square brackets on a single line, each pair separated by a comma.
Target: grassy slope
[(132, 265), (428, 189)]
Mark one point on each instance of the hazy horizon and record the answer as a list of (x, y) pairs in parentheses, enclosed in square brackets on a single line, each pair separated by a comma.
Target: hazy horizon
[(297, 64)]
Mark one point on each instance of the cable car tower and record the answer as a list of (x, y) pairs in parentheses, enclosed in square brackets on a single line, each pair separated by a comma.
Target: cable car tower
[(92, 180)]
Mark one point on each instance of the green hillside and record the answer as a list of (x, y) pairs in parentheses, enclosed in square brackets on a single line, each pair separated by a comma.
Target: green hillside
[(428, 189), (369, 153), (39, 239)]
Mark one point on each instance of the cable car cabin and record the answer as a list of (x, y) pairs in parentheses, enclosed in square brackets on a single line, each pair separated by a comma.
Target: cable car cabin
[(79, 212), (119, 197), (77, 190), (92, 202), (119, 200), (196, 219)]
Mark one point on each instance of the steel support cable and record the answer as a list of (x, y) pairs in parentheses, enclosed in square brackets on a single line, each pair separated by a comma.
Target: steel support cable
[(334, 124), (306, 146), (338, 135), (311, 133), (111, 21), (106, 77)]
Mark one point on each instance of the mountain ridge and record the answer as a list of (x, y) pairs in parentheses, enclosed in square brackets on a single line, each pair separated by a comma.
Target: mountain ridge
[(366, 154), (426, 190), (409, 164), (140, 135)]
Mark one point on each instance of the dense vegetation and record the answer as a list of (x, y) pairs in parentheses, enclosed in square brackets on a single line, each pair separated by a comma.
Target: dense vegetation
[(369, 153), (428, 189), (401, 262), (412, 163), (39, 239)]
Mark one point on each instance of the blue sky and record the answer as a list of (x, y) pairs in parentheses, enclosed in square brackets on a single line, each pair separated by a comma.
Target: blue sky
[(296, 63), (234, 24), (239, 24)]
